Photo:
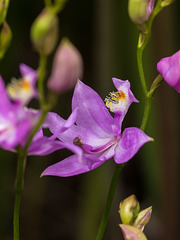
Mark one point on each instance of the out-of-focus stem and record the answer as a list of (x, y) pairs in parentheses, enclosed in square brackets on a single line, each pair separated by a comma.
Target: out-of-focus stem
[(41, 76), (19, 189), (112, 188), (22, 153)]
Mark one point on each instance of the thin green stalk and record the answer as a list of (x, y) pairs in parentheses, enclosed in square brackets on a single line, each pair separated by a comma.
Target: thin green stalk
[(38, 125), (141, 70), (48, 3), (148, 103), (112, 188), (19, 189), (142, 42), (22, 153), (147, 110), (41, 76)]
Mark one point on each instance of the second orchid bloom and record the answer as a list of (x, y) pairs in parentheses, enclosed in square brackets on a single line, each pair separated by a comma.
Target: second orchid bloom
[(96, 133)]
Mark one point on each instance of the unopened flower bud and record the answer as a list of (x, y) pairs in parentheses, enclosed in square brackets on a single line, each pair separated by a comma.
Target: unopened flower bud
[(44, 31), (166, 3), (132, 233), (128, 209), (67, 68), (5, 39), (140, 10), (142, 218), (3, 10)]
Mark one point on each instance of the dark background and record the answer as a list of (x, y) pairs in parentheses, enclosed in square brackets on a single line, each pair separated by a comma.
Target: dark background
[(70, 208)]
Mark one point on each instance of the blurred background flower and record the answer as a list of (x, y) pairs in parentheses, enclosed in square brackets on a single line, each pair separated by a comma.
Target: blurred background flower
[(70, 208)]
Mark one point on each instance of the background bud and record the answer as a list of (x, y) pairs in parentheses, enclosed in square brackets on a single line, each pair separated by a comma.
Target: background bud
[(143, 218), (166, 3), (44, 31), (140, 10), (5, 39), (3, 10), (67, 68), (132, 233), (128, 209)]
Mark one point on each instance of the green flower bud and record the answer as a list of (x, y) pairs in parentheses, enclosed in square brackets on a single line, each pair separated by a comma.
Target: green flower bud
[(44, 32), (132, 233), (5, 39), (166, 3), (3, 10), (142, 218), (128, 209), (140, 10)]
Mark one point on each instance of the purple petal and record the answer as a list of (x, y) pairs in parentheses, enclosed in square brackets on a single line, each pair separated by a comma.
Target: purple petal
[(28, 72), (119, 102), (22, 132), (169, 68), (124, 85), (132, 233), (5, 104), (92, 113), (107, 154), (130, 143), (13, 135), (69, 167), (43, 146), (57, 125), (150, 8), (54, 122)]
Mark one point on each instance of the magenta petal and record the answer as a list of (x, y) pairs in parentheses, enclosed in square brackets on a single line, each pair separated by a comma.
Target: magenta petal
[(5, 104), (44, 145), (150, 7), (169, 68), (124, 85), (22, 131), (119, 102), (54, 122), (69, 167), (108, 154), (130, 143), (92, 112), (63, 125), (26, 71), (57, 125)]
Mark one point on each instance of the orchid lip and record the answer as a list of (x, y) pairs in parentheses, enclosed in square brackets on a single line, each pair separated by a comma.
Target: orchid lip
[(90, 150)]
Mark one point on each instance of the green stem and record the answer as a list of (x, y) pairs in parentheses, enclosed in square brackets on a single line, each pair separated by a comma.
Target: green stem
[(141, 70), (143, 40), (148, 102), (112, 188), (19, 189), (41, 76), (22, 153), (48, 3), (38, 125), (147, 110)]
